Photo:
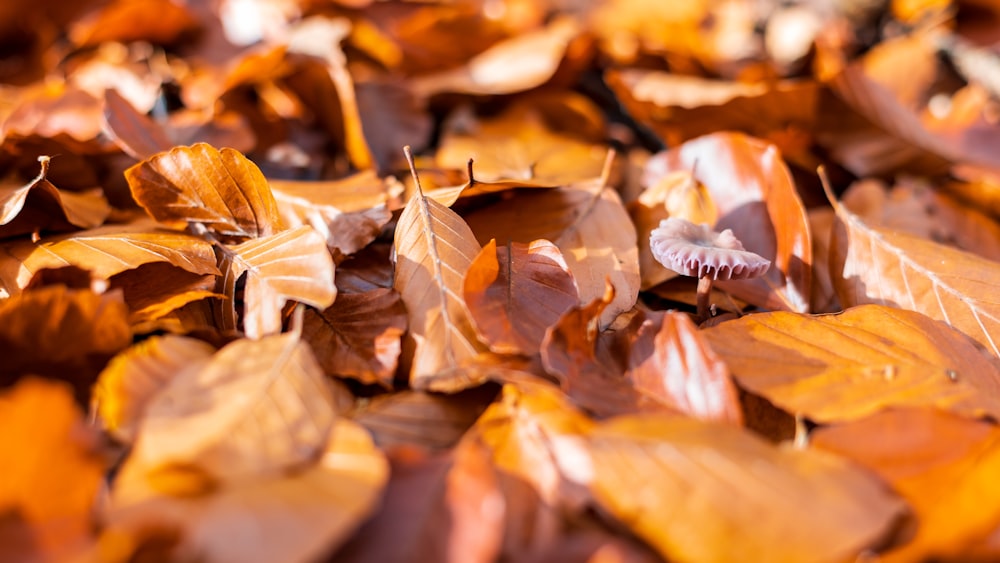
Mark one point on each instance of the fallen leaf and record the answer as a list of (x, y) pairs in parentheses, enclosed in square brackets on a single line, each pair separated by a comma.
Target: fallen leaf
[(40, 206), (756, 198), (52, 473), (422, 421), (298, 517), (162, 21), (943, 465), (513, 65), (61, 333), (349, 213), (514, 293), (671, 361), (849, 365), (434, 249), (590, 226), (445, 508), (291, 265), (105, 252), (359, 336), (873, 265), (135, 133), (220, 189), (134, 377), (211, 421), (698, 491)]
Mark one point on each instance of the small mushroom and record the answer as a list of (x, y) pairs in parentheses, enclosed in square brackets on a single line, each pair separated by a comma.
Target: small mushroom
[(697, 251)]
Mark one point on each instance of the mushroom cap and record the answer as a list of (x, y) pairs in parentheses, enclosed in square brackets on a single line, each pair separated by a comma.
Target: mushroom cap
[(696, 250)]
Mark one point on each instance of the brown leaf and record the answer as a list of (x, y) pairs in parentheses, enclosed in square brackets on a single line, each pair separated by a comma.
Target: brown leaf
[(153, 290), (132, 378), (513, 65), (61, 333), (518, 145), (137, 135), (199, 184), (359, 335), (756, 198), (105, 252), (514, 293), (588, 224), (671, 361), (350, 213), (531, 430), (700, 491), (291, 265), (872, 265), (424, 420), (211, 421), (846, 366), (446, 508), (52, 473), (295, 517), (434, 249), (161, 21), (39, 206), (943, 465)]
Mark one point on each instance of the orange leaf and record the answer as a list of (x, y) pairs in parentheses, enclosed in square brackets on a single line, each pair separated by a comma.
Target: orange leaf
[(199, 184), (846, 366), (942, 464), (670, 360), (515, 293), (38, 205), (874, 265), (51, 473), (698, 491)]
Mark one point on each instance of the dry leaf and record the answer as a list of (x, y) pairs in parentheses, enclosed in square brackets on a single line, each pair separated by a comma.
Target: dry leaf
[(518, 145), (52, 473), (137, 135), (61, 333), (707, 492), (425, 420), (291, 265), (672, 362), (514, 293), (215, 421), (38, 205), (105, 252), (134, 377), (941, 464), (846, 366), (872, 265), (756, 198), (359, 336), (588, 224), (296, 518), (434, 249), (513, 65), (446, 508), (222, 190), (349, 213), (531, 430)]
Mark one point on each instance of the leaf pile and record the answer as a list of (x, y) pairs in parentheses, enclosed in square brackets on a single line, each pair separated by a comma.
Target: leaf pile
[(240, 323)]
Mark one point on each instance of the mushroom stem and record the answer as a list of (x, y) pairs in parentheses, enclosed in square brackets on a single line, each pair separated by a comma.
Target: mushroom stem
[(704, 295)]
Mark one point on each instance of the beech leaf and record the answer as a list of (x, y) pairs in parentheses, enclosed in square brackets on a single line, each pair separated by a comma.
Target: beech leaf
[(849, 365), (291, 265), (220, 189), (214, 419), (39, 205), (359, 336), (590, 226), (699, 491), (515, 293), (874, 265), (434, 249)]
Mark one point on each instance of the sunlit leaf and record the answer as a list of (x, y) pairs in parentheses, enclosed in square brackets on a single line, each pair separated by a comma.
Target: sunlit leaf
[(38, 205), (845, 366)]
